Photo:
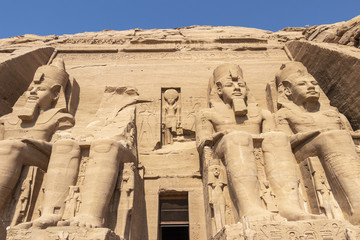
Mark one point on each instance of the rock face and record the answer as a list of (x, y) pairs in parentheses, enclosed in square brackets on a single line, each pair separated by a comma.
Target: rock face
[(191, 133), (344, 33)]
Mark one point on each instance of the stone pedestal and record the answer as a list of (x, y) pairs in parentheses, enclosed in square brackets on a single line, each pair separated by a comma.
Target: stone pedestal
[(317, 229), (62, 233)]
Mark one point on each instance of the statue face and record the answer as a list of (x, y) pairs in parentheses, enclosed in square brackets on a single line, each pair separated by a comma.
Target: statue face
[(303, 89), (41, 93), (171, 100), (216, 172), (231, 88)]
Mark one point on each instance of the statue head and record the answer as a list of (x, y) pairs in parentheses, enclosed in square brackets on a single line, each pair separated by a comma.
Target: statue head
[(296, 84), (48, 85), (170, 96), (230, 83)]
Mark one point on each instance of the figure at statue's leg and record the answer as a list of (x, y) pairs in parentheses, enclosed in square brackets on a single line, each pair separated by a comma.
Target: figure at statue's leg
[(99, 184)]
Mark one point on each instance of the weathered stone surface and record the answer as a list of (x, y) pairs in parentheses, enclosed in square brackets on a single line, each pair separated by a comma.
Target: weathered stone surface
[(325, 229), (336, 68), (64, 233), (152, 145), (344, 33)]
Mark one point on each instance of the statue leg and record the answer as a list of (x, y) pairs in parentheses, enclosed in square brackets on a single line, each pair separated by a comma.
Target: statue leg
[(62, 173), (280, 167), (13, 155), (337, 152), (237, 150), (99, 184)]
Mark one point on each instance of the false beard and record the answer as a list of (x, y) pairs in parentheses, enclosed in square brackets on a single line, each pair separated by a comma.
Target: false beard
[(29, 111)]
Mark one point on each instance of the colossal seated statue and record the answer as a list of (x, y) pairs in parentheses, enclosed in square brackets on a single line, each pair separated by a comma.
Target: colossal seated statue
[(112, 147), (329, 132), (228, 126), (25, 134)]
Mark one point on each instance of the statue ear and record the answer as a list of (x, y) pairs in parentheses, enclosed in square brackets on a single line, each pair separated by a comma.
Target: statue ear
[(219, 88), (287, 91), (56, 92)]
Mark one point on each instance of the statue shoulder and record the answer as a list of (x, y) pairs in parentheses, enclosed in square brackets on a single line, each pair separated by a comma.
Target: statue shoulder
[(205, 113), (64, 120)]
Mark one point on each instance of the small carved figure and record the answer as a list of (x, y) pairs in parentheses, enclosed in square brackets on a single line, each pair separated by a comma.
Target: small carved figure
[(318, 130), (72, 203), (171, 116), (22, 205), (126, 187), (216, 183), (268, 197), (327, 202)]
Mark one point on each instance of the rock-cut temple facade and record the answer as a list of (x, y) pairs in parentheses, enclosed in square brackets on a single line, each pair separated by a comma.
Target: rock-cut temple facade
[(191, 133)]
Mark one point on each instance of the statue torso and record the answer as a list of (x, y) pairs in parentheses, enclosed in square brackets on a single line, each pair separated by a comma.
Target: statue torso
[(226, 121), (41, 128), (301, 121)]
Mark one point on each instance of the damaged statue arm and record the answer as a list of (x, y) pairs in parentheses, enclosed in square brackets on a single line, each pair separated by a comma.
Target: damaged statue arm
[(268, 123), (204, 131)]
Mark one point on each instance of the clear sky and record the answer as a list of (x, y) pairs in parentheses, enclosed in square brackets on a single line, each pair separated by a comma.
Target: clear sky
[(18, 17)]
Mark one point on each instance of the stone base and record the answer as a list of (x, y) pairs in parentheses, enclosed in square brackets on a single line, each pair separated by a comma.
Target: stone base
[(62, 233), (315, 229)]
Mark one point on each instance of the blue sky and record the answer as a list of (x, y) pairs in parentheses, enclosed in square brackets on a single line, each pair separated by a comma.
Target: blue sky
[(59, 17)]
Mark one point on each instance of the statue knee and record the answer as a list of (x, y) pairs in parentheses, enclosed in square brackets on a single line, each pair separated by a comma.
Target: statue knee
[(275, 139), (65, 146), (238, 138), (8, 147), (104, 145)]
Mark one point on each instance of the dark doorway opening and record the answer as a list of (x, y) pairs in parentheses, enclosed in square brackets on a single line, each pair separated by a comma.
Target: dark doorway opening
[(175, 233), (174, 216)]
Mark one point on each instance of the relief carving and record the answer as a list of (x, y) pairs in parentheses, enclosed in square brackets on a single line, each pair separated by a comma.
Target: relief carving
[(171, 112), (216, 183)]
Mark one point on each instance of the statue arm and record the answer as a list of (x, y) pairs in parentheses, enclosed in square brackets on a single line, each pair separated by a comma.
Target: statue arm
[(268, 122), (281, 122), (204, 130), (345, 124)]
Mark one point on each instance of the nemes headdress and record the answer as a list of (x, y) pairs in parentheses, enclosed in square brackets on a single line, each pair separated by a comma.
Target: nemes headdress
[(290, 70), (53, 74), (228, 69)]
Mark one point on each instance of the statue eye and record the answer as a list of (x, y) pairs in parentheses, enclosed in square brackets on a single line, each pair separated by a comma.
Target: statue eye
[(300, 83), (228, 84), (314, 83), (30, 88)]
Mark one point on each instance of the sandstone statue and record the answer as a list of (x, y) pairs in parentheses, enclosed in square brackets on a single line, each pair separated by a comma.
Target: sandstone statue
[(25, 134), (170, 116), (329, 134), (229, 126), (216, 183), (111, 139)]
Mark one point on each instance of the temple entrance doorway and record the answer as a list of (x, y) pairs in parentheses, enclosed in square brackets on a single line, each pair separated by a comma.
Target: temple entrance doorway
[(173, 216)]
